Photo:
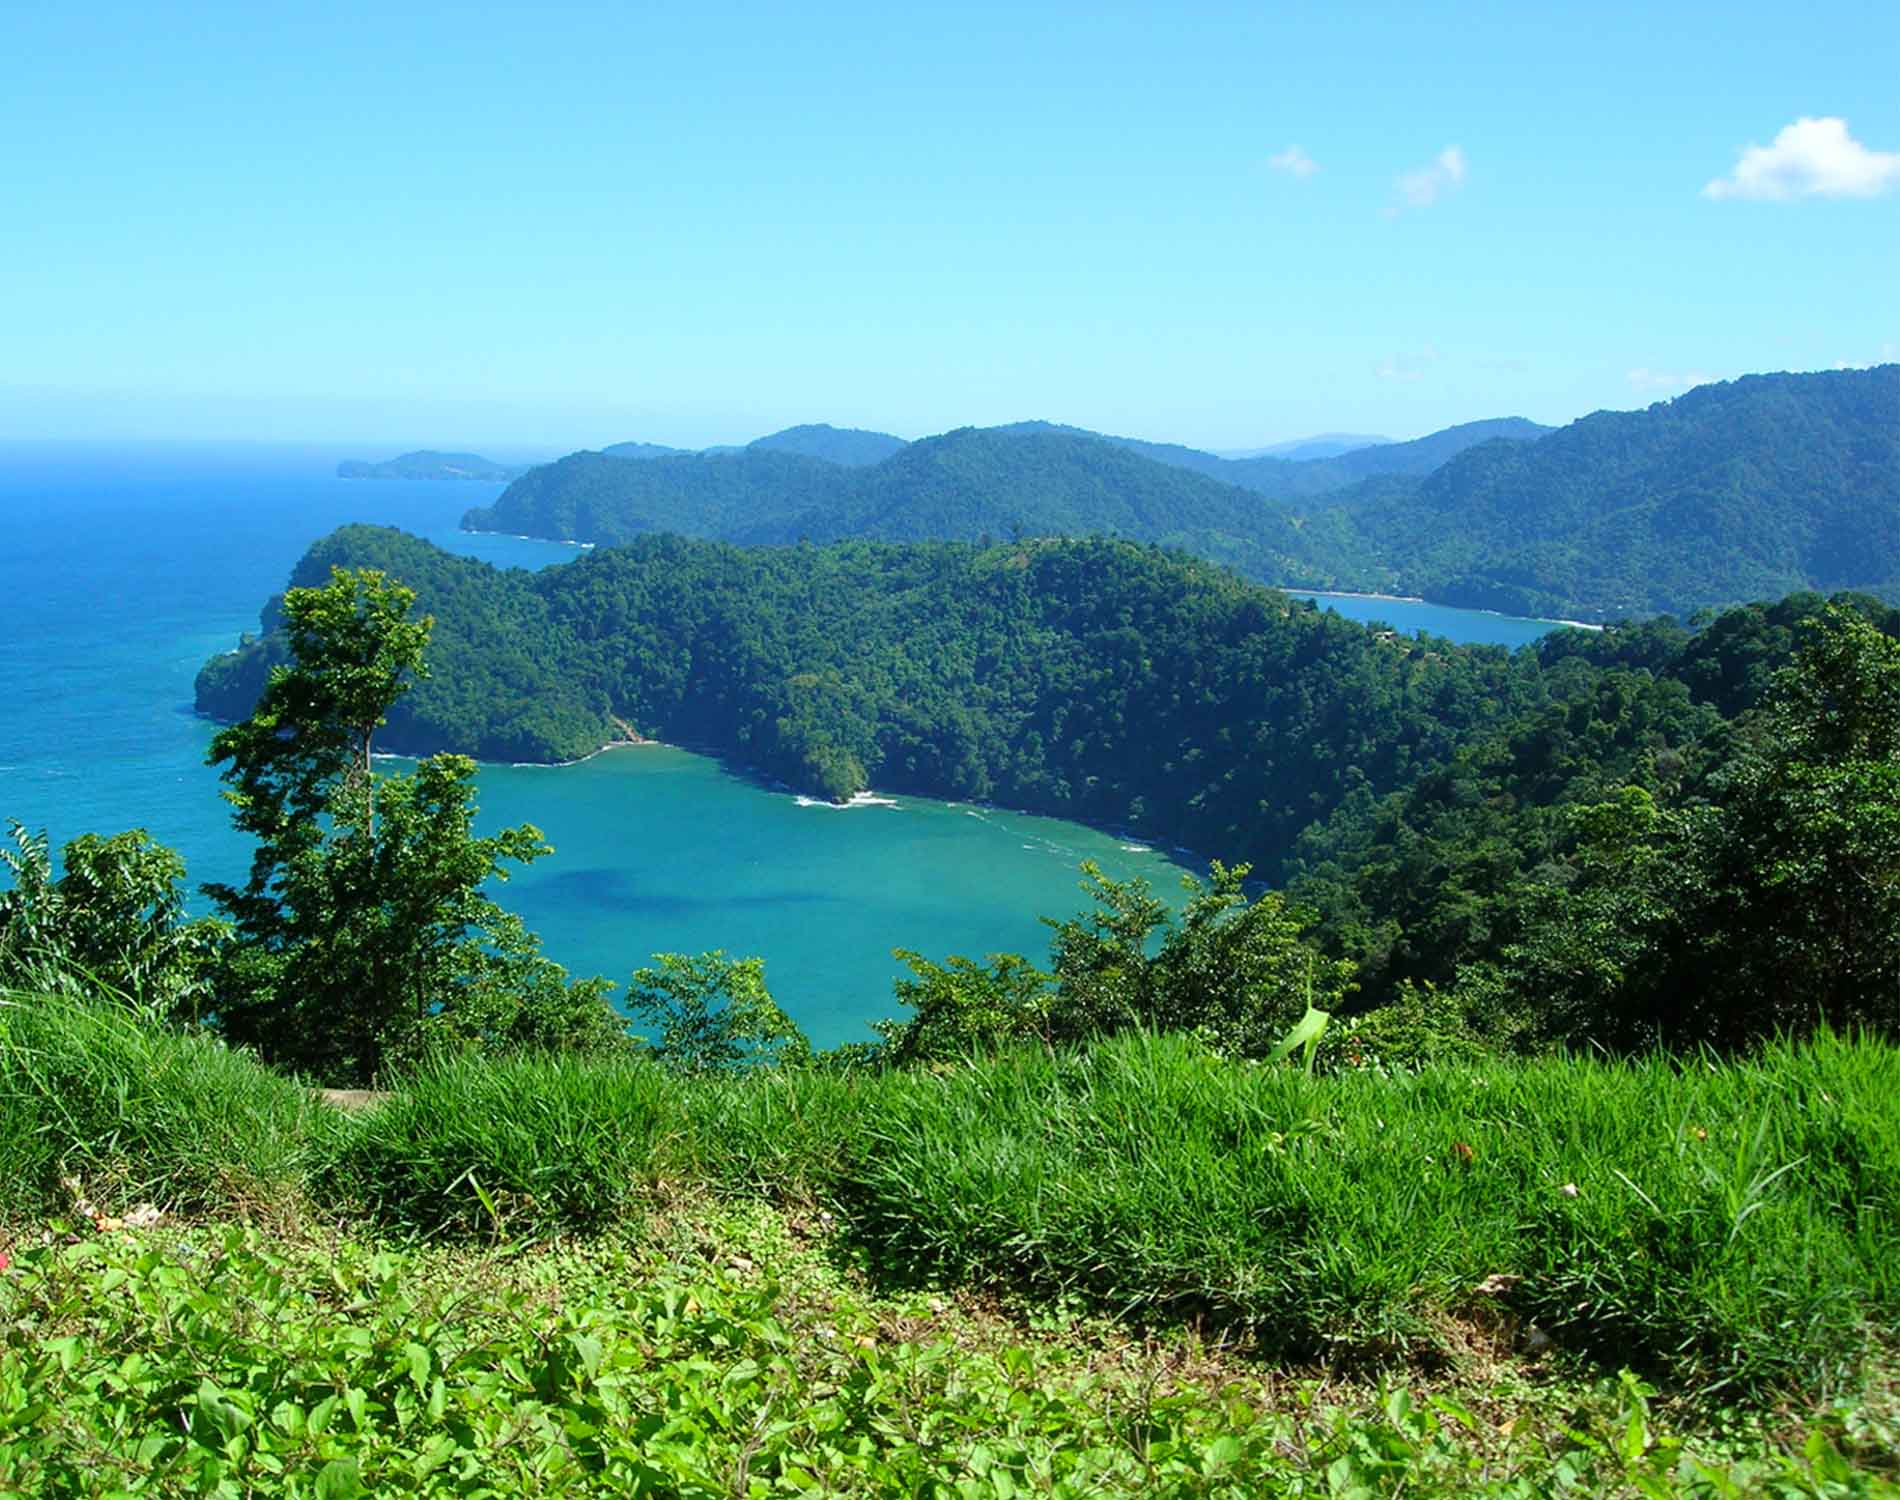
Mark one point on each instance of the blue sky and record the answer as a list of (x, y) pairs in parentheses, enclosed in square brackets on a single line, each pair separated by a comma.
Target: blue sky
[(572, 224)]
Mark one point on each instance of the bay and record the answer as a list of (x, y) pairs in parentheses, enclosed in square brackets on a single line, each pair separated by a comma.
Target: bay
[(122, 569), (1468, 627)]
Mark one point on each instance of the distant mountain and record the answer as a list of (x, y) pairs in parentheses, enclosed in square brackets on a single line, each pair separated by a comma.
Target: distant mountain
[(1748, 489), (1174, 455), (646, 450), (851, 446), (595, 497), (1423, 455), (1291, 479), (426, 464), (964, 485), (974, 484), (1302, 450)]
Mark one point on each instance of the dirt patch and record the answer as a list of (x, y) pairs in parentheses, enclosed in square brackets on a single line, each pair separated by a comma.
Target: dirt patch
[(353, 1099)]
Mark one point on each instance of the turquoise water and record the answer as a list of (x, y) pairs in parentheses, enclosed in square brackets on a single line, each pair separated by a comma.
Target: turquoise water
[(122, 570), (1466, 626)]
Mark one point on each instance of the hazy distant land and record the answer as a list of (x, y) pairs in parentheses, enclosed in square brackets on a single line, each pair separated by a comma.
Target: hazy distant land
[(427, 464)]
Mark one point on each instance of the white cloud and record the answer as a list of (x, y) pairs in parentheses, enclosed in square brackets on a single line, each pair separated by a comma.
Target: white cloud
[(1812, 158), (1652, 381), (1293, 161), (1424, 186)]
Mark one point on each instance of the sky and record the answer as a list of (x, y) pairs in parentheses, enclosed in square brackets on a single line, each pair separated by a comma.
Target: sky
[(541, 228)]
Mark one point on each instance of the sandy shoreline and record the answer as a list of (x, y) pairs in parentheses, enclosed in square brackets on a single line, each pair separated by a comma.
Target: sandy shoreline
[(519, 536), (1349, 594)]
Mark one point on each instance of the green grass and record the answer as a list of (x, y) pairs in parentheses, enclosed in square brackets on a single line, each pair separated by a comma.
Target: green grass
[(1345, 1215), (541, 1146), (137, 1115), (1732, 1230)]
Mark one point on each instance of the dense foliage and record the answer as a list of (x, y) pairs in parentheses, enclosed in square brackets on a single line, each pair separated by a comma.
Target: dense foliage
[(1732, 492), (1238, 973), (112, 920), (1692, 841), (1093, 680), (1743, 490), (730, 1360)]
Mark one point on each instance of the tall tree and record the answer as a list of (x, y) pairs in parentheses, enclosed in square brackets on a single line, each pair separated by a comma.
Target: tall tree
[(363, 934), (1812, 856)]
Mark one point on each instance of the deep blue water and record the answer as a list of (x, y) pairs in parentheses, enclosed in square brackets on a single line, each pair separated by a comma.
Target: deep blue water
[(122, 569)]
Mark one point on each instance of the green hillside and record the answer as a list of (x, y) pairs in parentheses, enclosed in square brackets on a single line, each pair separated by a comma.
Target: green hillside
[(851, 446), (597, 497), (1289, 477), (1742, 490), (1746, 490), (1090, 679), (964, 485)]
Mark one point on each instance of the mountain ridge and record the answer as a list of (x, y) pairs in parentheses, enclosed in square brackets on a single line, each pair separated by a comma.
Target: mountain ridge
[(1733, 491)]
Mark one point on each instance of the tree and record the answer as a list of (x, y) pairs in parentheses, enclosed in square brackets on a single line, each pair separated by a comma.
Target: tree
[(113, 922), (714, 1014), (961, 1008), (1238, 972), (1810, 861), (363, 936), (1765, 911)]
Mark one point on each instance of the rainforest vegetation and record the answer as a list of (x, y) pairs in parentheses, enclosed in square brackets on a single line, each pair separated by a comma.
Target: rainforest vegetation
[(1744, 490), (1587, 821)]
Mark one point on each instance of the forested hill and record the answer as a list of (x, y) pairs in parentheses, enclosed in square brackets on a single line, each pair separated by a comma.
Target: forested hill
[(1422, 455), (1441, 807), (962, 486), (971, 481), (850, 446), (598, 497), (1098, 680), (1748, 489), (1284, 477)]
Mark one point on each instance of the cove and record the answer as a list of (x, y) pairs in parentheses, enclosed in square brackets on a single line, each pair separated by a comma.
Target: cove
[(1468, 627), (124, 568)]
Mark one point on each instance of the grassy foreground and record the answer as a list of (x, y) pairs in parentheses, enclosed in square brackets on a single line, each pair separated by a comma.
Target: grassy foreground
[(806, 1280), (729, 1357)]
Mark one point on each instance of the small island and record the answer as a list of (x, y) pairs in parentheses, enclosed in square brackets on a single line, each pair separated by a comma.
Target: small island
[(427, 464)]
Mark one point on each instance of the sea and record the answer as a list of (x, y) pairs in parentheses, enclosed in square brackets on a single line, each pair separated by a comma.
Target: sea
[(124, 566)]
